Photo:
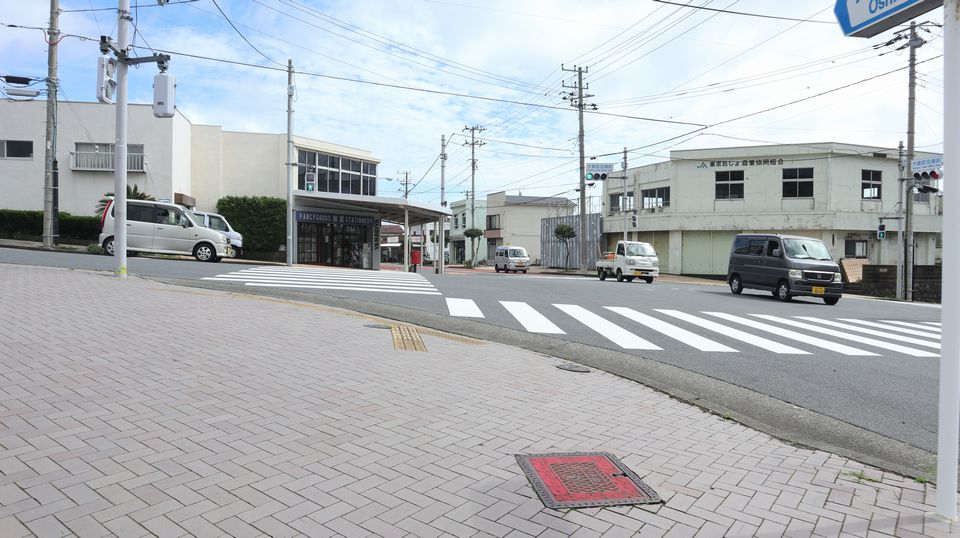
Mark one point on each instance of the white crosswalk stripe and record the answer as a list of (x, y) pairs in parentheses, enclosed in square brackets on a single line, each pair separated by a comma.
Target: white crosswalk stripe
[(616, 334), (846, 336), (935, 323), (330, 279), (752, 339), (892, 328), (914, 325), (793, 335), (464, 308), (531, 320), (881, 334), (683, 335)]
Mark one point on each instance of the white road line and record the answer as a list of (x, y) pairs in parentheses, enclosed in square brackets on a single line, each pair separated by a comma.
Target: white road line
[(683, 335), (531, 320), (314, 279), (607, 329), (805, 338), (348, 288), (891, 328), (736, 334), (382, 286), (370, 276), (333, 272), (913, 325), (934, 323), (846, 336), (464, 308)]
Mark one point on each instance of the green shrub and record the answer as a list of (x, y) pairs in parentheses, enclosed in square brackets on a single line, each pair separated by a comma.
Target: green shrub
[(17, 224), (261, 219)]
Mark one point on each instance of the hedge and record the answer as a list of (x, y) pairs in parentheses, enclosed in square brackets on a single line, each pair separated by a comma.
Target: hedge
[(261, 219), (16, 224)]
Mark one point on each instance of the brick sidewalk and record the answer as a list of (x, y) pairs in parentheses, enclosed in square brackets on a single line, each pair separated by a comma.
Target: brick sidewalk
[(133, 408)]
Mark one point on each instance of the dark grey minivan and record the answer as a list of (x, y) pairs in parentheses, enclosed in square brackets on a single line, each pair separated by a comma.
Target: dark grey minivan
[(787, 265)]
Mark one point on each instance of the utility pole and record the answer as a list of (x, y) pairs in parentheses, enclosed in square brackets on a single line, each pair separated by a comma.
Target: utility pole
[(443, 203), (900, 232), (406, 219), (473, 184), (576, 98), (290, 161), (915, 42), (50, 198), (624, 202)]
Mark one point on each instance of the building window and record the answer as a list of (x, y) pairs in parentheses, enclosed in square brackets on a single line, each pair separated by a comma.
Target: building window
[(91, 156), (652, 198), (336, 174), (730, 185), (16, 149), (798, 182), (870, 184), (855, 248), (493, 222)]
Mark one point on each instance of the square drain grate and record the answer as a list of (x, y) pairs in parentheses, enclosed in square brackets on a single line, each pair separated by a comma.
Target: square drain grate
[(584, 480)]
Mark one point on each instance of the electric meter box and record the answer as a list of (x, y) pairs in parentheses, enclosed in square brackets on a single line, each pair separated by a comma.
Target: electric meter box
[(164, 87)]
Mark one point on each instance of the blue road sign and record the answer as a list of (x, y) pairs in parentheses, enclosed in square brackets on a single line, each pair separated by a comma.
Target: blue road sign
[(867, 18)]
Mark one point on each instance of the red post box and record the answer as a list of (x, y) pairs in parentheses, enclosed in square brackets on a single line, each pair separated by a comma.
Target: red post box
[(415, 257)]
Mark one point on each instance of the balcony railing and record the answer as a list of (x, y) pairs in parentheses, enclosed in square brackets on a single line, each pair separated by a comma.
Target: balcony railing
[(94, 160)]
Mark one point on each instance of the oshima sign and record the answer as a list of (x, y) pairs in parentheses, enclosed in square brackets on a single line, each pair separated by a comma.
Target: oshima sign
[(867, 18)]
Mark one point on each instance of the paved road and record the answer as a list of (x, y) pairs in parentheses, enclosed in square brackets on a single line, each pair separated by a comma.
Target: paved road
[(864, 362)]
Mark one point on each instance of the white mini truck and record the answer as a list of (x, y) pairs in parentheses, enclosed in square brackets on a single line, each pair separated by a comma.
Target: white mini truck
[(632, 259)]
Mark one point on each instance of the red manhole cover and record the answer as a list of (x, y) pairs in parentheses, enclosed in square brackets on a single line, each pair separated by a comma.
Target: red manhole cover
[(584, 480)]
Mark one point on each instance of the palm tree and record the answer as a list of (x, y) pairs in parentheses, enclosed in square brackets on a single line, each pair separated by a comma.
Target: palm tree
[(133, 193)]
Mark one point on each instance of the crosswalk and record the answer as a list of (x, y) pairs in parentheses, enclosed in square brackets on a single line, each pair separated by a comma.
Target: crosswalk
[(721, 332), (330, 279)]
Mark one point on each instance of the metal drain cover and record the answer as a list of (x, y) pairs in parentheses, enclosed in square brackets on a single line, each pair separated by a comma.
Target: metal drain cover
[(584, 480), (570, 367), (377, 326)]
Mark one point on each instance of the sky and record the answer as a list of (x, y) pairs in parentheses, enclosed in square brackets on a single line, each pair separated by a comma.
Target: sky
[(393, 76)]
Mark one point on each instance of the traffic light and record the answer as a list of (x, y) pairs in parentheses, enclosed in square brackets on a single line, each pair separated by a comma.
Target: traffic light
[(596, 176), (928, 175), (106, 83), (881, 231), (633, 220)]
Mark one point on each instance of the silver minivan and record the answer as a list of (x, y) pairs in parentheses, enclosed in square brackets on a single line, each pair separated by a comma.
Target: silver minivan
[(511, 258), (785, 265), (164, 228), (220, 224)]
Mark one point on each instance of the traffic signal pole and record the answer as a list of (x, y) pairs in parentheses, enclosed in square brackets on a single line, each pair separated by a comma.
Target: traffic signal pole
[(120, 149), (624, 200), (949, 416), (914, 43)]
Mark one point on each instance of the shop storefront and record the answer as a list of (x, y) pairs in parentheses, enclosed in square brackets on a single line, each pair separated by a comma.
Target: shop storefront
[(336, 239)]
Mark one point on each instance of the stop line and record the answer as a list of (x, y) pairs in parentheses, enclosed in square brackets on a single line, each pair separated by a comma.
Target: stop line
[(643, 330)]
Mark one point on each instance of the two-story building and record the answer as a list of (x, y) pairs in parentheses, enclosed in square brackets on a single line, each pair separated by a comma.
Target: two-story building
[(337, 208), (466, 214), (691, 207), (515, 220)]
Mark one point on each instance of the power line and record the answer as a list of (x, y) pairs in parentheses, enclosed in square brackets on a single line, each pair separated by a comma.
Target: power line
[(728, 12), (241, 34)]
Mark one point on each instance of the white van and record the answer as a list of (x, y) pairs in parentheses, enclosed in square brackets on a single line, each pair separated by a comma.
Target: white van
[(220, 224), (511, 258), (164, 228)]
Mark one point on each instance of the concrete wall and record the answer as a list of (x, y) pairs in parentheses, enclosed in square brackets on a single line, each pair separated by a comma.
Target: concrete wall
[(205, 165)]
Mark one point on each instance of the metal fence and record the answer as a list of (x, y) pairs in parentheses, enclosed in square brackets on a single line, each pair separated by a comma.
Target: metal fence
[(94, 160), (552, 251)]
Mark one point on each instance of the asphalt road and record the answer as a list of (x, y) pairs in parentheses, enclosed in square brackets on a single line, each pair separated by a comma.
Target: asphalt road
[(871, 399)]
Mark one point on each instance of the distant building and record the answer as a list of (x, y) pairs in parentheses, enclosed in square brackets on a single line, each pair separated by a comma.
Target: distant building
[(692, 206), (462, 217), (336, 204), (515, 221)]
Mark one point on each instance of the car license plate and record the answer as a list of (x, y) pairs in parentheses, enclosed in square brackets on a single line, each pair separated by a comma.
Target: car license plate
[(818, 290)]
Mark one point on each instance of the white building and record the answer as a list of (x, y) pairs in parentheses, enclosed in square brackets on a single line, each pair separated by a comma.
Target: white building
[(515, 220), (336, 204), (467, 214), (691, 207)]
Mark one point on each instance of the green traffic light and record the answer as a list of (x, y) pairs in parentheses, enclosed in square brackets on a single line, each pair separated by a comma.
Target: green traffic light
[(589, 176)]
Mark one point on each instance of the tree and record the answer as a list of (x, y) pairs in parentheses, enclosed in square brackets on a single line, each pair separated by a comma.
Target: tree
[(133, 193), (473, 233), (565, 232)]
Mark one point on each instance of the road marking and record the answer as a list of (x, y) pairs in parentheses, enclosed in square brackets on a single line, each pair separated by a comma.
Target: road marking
[(935, 323), (464, 308), (616, 334), (891, 328), (683, 335), (331, 287), (913, 325), (531, 320), (882, 334), (736, 334), (846, 336), (330, 279), (807, 339)]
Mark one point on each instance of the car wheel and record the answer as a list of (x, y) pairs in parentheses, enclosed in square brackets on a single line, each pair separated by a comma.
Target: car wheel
[(496, 268), (524, 271), (619, 275), (601, 274), (831, 300), (736, 285), (204, 252), (628, 278), (108, 246), (783, 291), (216, 259), (649, 279)]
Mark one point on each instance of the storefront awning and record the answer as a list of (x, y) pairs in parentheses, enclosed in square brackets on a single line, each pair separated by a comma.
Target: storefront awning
[(391, 209)]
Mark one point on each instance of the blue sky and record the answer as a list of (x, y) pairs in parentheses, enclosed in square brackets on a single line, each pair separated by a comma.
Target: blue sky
[(393, 76)]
